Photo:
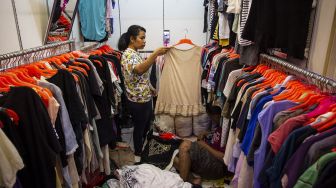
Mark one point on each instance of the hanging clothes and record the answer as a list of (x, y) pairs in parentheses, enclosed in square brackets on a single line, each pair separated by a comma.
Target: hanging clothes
[(36, 140), (92, 19), (64, 143), (180, 83)]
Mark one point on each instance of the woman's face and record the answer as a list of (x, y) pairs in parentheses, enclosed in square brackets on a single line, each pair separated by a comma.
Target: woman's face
[(140, 41)]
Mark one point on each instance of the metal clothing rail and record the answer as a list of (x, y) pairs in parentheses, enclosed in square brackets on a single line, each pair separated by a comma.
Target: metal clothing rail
[(146, 52), (321, 81), (30, 55), (90, 47)]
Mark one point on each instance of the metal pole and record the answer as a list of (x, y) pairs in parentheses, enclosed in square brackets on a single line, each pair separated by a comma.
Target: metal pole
[(17, 24)]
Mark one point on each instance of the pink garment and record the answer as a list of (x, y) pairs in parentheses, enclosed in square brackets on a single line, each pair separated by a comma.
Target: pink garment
[(277, 138), (322, 108), (234, 181)]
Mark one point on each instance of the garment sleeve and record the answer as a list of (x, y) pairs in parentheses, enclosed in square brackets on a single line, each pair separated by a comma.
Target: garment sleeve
[(131, 61)]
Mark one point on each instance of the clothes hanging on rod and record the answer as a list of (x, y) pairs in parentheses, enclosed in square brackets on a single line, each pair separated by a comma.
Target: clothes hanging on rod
[(267, 118), (182, 70), (250, 26), (65, 110)]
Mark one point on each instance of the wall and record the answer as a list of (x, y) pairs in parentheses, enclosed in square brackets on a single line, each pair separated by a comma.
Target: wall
[(8, 37), (179, 16), (321, 35)]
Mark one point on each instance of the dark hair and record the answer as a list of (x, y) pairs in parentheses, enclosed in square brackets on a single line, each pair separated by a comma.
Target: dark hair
[(125, 38)]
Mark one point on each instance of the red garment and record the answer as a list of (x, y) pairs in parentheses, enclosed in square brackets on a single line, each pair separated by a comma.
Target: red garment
[(278, 137)]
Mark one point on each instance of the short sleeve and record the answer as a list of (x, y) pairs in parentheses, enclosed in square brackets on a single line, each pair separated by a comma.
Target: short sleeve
[(131, 61)]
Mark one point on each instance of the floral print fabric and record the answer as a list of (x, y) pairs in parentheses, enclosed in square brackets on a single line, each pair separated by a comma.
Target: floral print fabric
[(137, 86)]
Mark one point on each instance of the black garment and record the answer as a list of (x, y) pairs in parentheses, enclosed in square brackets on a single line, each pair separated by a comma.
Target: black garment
[(242, 122), (158, 151), (231, 65), (235, 89), (152, 77), (327, 176), (218, 73), (209, 58), (66, 82), (214, 21), (236, 112), (205, 21), (92, 81), (292, 142), (279, 24), (86, 95), (249, 55), (104, 103), (329, 182), (121, 118), (36, 143), (263, 177), (233, 35), (141, 115), (117, 64)]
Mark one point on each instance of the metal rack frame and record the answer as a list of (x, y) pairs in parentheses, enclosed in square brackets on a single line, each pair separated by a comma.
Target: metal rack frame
[(30, 55), (324, 83)]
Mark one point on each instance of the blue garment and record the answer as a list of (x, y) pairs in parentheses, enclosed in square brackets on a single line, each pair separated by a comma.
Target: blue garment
[(265, 119), (245, 146), (92, 19)]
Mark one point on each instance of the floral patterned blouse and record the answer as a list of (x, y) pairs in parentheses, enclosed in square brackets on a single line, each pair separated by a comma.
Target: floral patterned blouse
[(137, 86)]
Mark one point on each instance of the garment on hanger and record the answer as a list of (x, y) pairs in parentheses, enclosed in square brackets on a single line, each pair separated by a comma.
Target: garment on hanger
[(180, 83), (92, 19), (65, 136)]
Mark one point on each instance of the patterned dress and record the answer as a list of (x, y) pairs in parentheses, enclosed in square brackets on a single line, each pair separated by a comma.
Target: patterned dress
[(137, 86)]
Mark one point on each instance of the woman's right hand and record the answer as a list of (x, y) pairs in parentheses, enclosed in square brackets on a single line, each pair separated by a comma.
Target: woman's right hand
[(161, 51)]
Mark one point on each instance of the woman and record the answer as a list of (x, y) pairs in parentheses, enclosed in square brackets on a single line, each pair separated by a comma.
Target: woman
[(137, 83)]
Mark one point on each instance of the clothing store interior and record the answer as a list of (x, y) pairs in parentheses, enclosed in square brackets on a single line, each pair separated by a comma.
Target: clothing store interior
[(168, 93)]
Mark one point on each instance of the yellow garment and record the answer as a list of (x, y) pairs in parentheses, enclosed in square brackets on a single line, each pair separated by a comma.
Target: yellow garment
[(222, 42)]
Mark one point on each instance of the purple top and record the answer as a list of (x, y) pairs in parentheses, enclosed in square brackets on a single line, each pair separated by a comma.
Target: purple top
[(265, 118)]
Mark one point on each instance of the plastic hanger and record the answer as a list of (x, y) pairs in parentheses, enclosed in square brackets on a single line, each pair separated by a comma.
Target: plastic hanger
[(96, 52), (17, 82), (184, 41), (325, 126), (79, 69), (81, 64), (98, 62), (313, 99), (249, 68), (12, 114)]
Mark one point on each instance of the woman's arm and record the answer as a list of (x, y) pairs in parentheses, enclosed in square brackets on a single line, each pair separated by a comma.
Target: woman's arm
[(143, 67)]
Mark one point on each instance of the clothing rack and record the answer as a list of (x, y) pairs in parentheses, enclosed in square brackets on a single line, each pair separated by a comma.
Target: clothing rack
[(324, 83), (146, 52), (30, 55), (90, 47)]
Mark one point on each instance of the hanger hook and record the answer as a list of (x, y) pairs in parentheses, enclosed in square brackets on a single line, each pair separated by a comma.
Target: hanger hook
[(185, 32)]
